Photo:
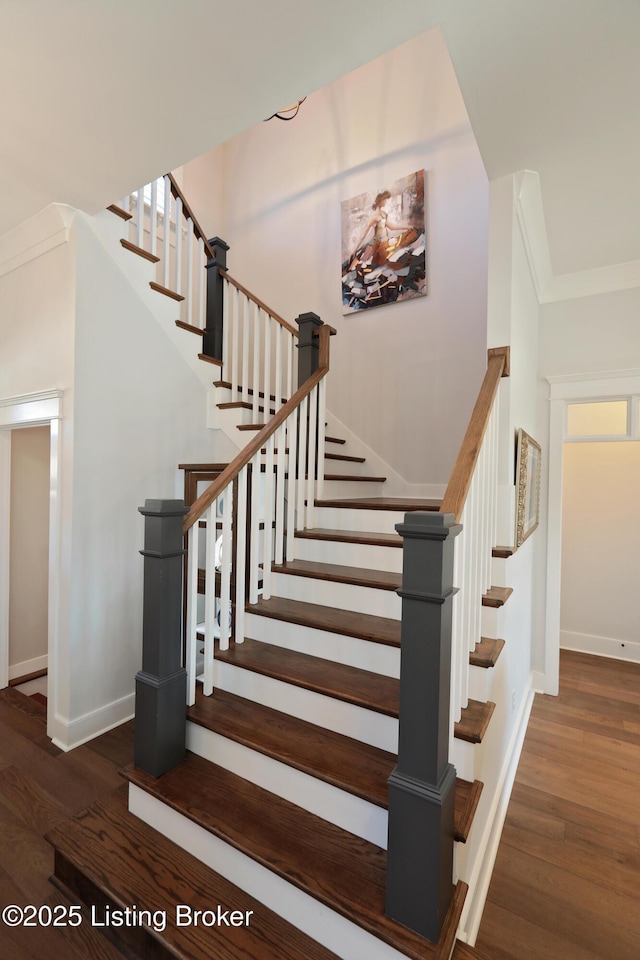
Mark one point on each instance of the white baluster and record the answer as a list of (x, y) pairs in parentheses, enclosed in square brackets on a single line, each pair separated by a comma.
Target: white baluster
[(140, 216), (256, 361), (178, 283), (209, 598), (322, 416), (267, 539), (456, 645), (189, 293), (267, 366), (277, 389), (281, 434), (311, 460), (227, 547), (192, 613), (236, 308), (302, 461), (153, 235), (241, 554), (246, 340), (202, 301), (226, 320), (254, 535), (166, 233), (289, 344), (292, 442)]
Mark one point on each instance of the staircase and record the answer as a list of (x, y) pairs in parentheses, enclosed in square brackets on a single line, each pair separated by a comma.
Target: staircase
[(274, 826)]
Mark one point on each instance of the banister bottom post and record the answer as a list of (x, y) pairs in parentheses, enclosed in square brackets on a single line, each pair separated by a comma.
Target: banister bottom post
[(422, 786), (161, 685)]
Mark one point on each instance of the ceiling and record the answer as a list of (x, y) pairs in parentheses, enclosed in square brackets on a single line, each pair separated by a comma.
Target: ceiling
[(100, 96)]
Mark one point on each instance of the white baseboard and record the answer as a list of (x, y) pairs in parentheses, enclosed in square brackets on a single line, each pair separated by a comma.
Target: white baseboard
[(67, 734), (25, 667), (600, 646), (481, 875)]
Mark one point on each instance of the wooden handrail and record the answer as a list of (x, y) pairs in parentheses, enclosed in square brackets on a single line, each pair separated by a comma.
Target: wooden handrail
[(261, 304), (227, 476), (197, 229), (462, 474)]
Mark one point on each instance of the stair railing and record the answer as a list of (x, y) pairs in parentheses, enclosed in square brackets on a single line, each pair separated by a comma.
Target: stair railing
[(442, 587), (250, 514), (472, 498), (257, 347)]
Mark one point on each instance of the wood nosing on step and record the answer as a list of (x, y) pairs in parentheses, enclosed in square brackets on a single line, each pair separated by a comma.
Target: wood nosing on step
[(189, 328), (396, 504), (165, 290), (503, 552), (140, 251), (363, 626), (119, 212), (474, 721), (496, 596), (203, 356), (486, 652), (344, 458), (336, 573)]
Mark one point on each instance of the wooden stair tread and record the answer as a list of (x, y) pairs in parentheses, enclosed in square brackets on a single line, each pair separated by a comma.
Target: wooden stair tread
[(342, 871), (343, 457), (189, 328), (105, 854), (347, 476), (334, 440), (203, 356), (486, 652), (239, 405), (250, 392), (166, 291), (336, 573), (348, 764), (250, 426), (382, 503), (503, 552), (362, 625), (119, 212), (473, 724), (337, 680), (496, 596), (140, 251), (351, 536)]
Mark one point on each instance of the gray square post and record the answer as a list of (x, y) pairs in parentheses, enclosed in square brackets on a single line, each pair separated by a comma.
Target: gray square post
[(308, 345), (161, 685), (422, 786), (216, 269)]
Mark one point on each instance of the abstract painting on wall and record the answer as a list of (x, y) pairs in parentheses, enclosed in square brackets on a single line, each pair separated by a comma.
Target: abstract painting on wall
[(383, 245)]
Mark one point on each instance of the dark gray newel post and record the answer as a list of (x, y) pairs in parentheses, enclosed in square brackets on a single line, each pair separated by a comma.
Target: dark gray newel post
[(216, 268), (161, 685), (422, 786), (308, 345)]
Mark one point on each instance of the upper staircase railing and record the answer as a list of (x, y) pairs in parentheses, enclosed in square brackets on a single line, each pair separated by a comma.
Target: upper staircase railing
[(472, 498), (256, 347)]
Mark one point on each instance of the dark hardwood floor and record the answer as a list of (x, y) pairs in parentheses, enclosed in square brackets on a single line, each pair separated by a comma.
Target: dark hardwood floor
[(567, 876), (566, 884)]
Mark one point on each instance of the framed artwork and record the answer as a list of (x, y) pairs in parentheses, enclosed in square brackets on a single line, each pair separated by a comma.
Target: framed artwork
[(528, 468), (383, 245)]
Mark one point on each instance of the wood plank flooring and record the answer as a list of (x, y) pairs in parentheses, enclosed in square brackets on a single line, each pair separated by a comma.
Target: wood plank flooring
[(567, 877)]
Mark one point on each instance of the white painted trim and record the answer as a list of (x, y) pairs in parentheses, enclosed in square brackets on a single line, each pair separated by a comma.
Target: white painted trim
[(36, 236), (70, 734), (335, 932), (25, 667), (551, 288), (483, 868), (28, 411), (628, 650), (599, 378), (5, 541)]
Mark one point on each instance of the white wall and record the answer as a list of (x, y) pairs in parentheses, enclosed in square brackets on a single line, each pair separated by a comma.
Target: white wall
[(29, 550), (601, 548), (395, 369), (139, 411)]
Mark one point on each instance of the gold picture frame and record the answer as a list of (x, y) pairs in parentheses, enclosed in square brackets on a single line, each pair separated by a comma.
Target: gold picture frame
[(528, 472)]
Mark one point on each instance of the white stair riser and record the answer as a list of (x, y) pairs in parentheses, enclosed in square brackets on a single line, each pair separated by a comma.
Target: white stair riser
[(347, 811), (481, 683), (348, 719), (337, 647), (350, 489), (347, 940), (499, 571), (361, 555), (463, 758), (367, 521), (344, 596), (491, 621)]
